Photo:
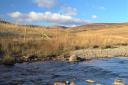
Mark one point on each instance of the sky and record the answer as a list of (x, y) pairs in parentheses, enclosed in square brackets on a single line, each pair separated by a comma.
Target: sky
[(64, 12)]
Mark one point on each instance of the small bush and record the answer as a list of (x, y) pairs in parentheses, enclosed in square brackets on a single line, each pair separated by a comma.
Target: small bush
[(107, 46), (78, 47), (0, 61), (8, 60), (124, 44), (95, 46)]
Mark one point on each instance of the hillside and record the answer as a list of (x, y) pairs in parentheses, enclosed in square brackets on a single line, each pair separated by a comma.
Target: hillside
[(97, 26), (114, 30)]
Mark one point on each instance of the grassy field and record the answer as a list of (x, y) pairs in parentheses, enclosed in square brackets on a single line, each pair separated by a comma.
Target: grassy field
[(43, 43)]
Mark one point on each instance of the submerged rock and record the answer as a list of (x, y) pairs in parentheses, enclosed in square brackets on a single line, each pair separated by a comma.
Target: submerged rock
[(60, 83), (90, 81), (72, 83), (65, 83), (119, 82)]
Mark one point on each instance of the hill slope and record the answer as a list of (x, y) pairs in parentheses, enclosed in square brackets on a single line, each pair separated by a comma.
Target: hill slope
[(97, 26)]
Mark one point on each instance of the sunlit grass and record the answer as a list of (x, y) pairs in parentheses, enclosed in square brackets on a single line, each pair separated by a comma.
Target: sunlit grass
[(48, 43)]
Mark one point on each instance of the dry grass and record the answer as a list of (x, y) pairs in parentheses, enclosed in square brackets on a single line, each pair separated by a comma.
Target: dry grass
[(47, 43), (101, 53)]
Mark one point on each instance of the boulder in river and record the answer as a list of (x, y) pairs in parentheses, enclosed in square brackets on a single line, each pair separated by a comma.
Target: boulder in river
[(90, 81), (119, 82), (72, 83), (60, 83), (65, 83)]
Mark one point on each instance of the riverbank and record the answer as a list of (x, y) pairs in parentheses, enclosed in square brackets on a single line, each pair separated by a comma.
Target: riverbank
[(78, 55), (90, 53), (30, 44)]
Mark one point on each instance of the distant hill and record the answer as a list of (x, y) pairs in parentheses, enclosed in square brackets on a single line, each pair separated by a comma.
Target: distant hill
[(31, 25), (96, 26), (92, 26), (57, 27), (27, 25)]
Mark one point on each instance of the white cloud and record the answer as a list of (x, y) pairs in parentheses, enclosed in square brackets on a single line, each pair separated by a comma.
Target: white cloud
[(46, 3), (94, 16), (15, 14), (69, 11), (49, 17), (66, 10)]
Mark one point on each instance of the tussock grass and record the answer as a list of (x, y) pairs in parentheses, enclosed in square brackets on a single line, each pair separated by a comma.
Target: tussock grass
[(8, 60)]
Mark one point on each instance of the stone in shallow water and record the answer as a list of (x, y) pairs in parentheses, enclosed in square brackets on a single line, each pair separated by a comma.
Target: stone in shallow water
[(119, 82), (65, 83), (90, 81), (60, 83), (72, 83)]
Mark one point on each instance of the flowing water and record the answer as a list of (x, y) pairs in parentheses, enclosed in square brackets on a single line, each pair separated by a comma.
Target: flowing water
[(104, 71)]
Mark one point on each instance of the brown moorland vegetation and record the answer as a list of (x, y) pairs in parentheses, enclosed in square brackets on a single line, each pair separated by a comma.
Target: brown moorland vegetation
[(43, 43)]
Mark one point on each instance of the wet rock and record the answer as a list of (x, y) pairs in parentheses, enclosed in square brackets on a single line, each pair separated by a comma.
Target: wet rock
[(72, 83), (65, 83), (90, 81), (25, 58), (60, 83), (98, 84), (30, 58), (119, 82)]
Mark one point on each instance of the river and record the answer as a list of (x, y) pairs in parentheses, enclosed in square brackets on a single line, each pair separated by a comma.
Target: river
[(104, 71)]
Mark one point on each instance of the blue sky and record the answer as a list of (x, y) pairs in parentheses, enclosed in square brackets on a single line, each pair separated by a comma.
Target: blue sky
[(64, 12)]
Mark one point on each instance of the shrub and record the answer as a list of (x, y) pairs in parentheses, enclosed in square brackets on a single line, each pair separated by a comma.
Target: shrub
[(107, 46), (8, 60), (95, 46)]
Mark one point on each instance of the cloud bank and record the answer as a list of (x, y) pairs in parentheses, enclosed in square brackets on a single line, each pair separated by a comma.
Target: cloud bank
[(65, 15), (55, 18)]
